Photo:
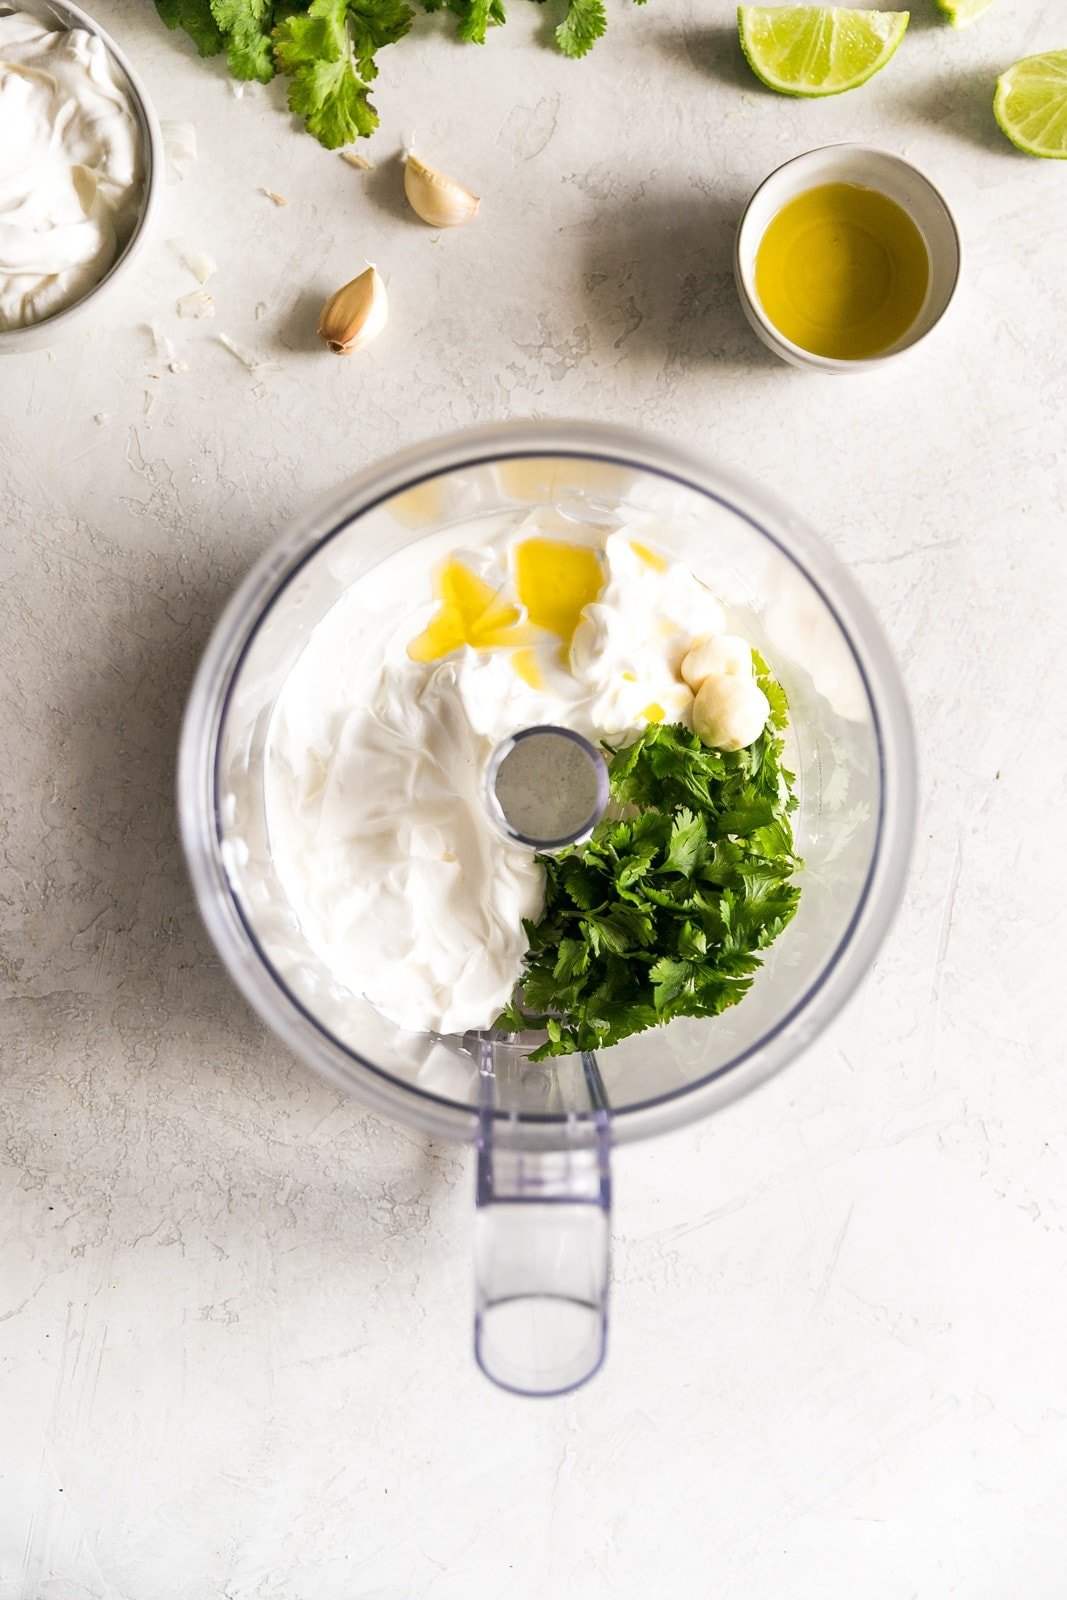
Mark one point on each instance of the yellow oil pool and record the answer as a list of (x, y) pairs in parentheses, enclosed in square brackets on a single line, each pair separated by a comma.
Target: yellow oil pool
[(553, 580), (556, 581), (842, 271), (470, 612)]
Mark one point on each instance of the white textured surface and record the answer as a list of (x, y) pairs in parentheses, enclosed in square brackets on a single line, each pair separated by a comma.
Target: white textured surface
[(233, 1308)]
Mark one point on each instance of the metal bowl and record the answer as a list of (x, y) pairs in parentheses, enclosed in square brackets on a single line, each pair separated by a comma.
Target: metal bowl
[(39, 334)]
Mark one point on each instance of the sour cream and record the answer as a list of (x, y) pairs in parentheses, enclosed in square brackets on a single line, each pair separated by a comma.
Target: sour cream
[(381, 740), (71, 168)]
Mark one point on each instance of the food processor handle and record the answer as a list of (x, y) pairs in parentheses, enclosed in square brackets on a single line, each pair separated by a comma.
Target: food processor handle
[(542, 1254)]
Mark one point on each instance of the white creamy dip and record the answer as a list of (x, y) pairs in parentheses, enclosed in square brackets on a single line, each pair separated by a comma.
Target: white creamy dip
[(376, 763), (71, 168)]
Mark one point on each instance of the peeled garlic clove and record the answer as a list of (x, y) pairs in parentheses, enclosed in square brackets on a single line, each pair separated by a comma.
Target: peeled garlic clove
[(355, 315), (435, 198), (724, 656), (730, 712)]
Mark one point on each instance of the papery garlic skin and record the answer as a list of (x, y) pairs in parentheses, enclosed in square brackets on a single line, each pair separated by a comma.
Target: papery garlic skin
[(437, 199), (354, 316)]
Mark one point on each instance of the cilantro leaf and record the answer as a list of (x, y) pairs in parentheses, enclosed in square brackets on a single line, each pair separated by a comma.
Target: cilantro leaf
[(581, 883), (634, 869), (374, 23), (472, 27), (670, 978), (583, 25), (689, 843), (333, 101), (773, 690), (246, 25), (512, 1019), (195, 16), (250, 56), (329, 54), (573, 958), (474, 16)]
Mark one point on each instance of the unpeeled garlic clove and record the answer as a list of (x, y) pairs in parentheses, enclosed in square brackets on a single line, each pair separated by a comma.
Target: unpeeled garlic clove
[(355, 315), (435, 198)]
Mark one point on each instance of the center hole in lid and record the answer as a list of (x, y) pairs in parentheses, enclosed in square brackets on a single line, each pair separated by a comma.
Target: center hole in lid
[(548, 787)]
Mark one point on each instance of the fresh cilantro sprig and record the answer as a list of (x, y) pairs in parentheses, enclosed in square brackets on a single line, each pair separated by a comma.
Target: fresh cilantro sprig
[(196, 17), (328, 47), (329, 54), (583, 25), (473, 17), (665, 910), (246, 26)]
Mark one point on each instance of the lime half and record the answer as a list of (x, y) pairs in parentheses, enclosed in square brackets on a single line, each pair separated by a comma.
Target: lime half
[(1031, 104), (817, 50), (961, 13)]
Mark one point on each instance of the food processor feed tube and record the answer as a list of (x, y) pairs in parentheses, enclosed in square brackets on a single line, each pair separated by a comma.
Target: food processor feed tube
[(320, 866), (542, 1242), (542, 1231)]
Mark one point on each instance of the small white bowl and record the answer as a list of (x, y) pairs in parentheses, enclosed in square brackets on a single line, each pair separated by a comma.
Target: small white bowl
[(38, 335), (869, 169)]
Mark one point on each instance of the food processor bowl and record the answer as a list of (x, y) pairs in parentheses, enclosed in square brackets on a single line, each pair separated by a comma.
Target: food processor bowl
[(544, 1130)]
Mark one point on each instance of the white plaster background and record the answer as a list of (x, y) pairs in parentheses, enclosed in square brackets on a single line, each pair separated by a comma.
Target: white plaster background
[(234, 1347)]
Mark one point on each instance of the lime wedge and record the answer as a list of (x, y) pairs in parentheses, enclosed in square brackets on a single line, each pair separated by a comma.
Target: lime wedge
[(817, 50), (961, 13), (1031, 104)]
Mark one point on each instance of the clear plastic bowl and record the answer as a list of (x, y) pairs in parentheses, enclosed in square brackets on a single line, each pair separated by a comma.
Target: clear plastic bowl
[(544, 1130)]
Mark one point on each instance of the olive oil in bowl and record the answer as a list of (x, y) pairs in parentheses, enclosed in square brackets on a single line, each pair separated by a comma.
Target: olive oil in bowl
[(842, 271)]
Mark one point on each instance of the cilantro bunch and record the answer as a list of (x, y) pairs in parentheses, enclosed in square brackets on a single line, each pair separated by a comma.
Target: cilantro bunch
[(327, 48), (663, 912)]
